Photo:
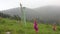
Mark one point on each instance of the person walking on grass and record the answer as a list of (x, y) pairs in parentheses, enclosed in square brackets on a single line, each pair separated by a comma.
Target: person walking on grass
[(36, 26), (54, 27)]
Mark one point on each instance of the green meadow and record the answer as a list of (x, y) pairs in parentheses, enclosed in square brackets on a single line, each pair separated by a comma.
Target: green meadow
[(18, 27)]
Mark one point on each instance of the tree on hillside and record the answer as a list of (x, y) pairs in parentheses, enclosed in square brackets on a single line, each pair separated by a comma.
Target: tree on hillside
[(16, 17)]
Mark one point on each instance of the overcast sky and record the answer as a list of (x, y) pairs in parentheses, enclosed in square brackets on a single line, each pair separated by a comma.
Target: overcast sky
[(8, 4)]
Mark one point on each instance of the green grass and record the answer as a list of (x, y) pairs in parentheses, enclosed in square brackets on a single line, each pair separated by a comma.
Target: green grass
[(19, 28)]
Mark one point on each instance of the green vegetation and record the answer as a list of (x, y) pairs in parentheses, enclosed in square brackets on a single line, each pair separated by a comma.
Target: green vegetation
[(16, 27)]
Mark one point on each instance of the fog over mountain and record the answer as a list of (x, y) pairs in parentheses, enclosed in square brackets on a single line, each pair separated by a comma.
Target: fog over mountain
[(30, 13), (49, 12), (43, 13)]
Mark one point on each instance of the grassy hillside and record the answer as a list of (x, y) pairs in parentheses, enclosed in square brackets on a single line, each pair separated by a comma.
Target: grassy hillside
[(16, 27)]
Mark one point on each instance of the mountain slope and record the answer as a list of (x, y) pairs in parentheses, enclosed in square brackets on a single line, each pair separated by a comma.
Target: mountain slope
[(49, 12), (30, 13)]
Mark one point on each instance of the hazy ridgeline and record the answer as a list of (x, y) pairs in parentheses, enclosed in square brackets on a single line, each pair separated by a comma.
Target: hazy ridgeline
[(46, 14)]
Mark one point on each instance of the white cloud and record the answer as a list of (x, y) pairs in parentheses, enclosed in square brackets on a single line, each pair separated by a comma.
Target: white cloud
[(7, 4)]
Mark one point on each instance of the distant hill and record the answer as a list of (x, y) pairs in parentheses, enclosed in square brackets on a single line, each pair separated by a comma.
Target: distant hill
[(30, 13), (48, 13)]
